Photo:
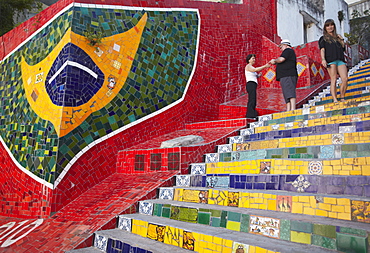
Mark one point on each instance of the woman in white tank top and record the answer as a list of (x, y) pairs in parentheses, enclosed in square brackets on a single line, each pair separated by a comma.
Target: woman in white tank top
[(251, 78)]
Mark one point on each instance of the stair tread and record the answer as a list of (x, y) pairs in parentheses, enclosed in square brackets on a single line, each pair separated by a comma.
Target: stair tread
[(135, 240), (268, 213), (85, 250), (247, 238), (276, 192)]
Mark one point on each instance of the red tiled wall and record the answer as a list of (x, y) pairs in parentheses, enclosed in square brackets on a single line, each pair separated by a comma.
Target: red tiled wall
[(228, 33)]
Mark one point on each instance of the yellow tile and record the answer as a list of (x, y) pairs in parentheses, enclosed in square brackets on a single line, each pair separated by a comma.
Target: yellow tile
[(252, 249), (308, 211), (330, 200), (217, 240), (227, 250), (343, 202), (261, 250), (271, 204), (300, 237), (227, 243), (295, 198), (365, 170), (333, 215), (297, 207), (304, 199), (321, 213), (233, 225), (338, 209), (325, 206), (344, 216)]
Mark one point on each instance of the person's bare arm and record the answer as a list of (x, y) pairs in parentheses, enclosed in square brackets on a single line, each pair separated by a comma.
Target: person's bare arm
[(323, 61)]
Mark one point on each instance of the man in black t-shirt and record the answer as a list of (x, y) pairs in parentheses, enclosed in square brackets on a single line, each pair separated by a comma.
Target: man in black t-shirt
[(286, 73)]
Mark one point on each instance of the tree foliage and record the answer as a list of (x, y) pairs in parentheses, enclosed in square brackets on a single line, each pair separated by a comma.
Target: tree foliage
[(360, 27), (11, 9)]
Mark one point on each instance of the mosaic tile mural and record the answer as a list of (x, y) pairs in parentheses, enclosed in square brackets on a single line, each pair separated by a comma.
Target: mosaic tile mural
[(60, 94)]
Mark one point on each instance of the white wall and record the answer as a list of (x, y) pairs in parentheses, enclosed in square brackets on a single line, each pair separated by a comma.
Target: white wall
[(331, 11), (290, 20)]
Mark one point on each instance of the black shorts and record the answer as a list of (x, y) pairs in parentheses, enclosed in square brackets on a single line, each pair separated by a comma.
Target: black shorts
[(288, 85)]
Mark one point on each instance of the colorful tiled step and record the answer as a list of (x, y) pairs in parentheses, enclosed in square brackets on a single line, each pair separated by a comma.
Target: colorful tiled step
[(210, 239), (284, 226), (342, 207), (320, 184), (118, 240)]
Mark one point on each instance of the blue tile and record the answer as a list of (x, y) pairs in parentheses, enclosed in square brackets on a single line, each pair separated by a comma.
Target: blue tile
[(249, 186), (356, 180), (354, 190), (259, 186)]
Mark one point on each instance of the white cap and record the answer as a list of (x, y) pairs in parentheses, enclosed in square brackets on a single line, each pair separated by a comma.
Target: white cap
[(286, 42)]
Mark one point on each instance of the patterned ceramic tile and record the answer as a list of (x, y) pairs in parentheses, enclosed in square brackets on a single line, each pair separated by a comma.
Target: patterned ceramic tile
[(198, 168), (100, 242), (347, 129), (327, 152), (338, 138), (265, 167), (233, 199), (212, 158), (124, 223), (240, 247), (224, 148), (289, 125), (264, 226), (265, 117), (156, 232), (247, 131), (303, 123), (145, 208), (256, 124), (218, 182), (270, 75), (183, 180), (166, 193), (301, 184), (242, 146), (284, 203), (315, 168), (305, 111), (188, 241), (236, 139), (275, 127), (360, 211)]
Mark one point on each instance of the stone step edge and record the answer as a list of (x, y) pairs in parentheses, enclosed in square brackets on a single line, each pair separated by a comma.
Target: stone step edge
[(266, 213), (342, 105), (265, 120), (229, 235), (135, 240), (273, 192), (86, 250)]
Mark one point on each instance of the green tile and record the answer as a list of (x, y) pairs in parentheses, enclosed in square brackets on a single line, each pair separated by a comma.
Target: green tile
[(233, 216), (223, 219), (351, 243), (353, 231), (323, 241), (188, 215), (204, 218), (166, 212), (325, 230), (157, 210), (244, 223), (285, 230), (215, 222), (175, 211), (215, 213), (301, 226)]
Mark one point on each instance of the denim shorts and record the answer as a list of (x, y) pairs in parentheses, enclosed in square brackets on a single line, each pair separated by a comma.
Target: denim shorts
[(337, 62)]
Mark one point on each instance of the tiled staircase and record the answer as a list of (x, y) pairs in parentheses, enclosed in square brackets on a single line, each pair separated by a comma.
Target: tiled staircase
[(294, 181)]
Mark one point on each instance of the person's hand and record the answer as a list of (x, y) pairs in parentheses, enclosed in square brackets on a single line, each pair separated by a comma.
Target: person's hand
[(267, 65), (273, 62), (324, 63)]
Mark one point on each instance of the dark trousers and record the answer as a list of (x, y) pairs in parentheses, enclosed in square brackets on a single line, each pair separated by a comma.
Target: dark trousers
[(252, 99)]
